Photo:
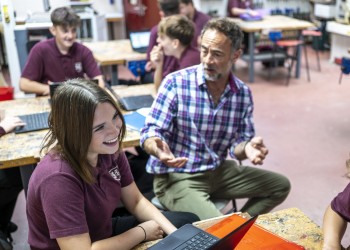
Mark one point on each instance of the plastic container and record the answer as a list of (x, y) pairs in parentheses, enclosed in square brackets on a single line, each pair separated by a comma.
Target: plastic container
[(6, 93)]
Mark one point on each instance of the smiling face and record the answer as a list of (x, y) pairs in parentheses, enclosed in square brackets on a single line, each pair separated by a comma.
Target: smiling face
[(217, 56), (64, 37), (106, 129)]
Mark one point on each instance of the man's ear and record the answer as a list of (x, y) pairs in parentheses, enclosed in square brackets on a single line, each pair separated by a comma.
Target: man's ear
[(236, 54), (53, 30)]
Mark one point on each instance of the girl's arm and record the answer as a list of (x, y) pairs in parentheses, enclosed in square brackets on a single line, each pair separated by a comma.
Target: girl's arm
[(334, 228)]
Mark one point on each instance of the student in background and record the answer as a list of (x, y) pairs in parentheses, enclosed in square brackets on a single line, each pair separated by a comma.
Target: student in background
[(59, 58), (335, 220), (166, 8), (10, 187), (238, 7), (175, 34), (85, 175), (199, 18), (201, 114)]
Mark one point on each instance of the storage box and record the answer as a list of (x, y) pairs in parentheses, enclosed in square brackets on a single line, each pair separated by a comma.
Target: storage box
[(6, 93), (324, 11)]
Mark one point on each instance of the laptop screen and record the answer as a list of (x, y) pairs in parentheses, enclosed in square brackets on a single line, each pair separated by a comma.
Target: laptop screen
[(139, 39)]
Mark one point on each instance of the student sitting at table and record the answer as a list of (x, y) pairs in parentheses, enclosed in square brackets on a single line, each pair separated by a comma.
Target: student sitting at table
[(175, 35), (238, 7), (166, 8), (335, 220), (199, 18), (85, 175), (60, 58), (10, 187)]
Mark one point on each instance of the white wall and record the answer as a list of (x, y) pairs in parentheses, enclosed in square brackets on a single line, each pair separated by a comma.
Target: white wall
[(22, 8)]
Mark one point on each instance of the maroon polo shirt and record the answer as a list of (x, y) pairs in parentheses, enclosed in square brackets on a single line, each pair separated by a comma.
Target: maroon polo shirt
[(61, 204), (340, 204), (189, 57), (46, 63), (246, 4)]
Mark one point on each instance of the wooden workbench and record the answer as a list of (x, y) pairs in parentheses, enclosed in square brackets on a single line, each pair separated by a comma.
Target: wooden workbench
[(24, 149), (291, 224)]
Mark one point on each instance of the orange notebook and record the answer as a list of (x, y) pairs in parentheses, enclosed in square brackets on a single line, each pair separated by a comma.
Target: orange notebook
[(257, 238)]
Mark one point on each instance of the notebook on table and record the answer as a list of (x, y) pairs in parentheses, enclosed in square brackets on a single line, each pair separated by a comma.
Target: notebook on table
[(139, 40), (34, 122), (135, 121), (191, 237)]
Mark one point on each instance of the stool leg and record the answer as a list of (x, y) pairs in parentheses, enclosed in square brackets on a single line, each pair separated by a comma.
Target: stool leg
[(318, 61), (307, 63), (292, 58)]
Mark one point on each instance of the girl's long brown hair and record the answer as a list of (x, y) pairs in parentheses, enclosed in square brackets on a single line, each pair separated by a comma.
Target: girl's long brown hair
[(70, 122)]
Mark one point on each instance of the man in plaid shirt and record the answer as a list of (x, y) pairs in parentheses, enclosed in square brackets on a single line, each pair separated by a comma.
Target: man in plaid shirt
[(201, 114)]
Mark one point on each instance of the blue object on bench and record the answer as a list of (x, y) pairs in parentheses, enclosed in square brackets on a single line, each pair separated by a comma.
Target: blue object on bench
[(137, 67)]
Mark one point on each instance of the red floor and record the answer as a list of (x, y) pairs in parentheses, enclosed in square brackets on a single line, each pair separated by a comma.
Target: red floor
[(307, 129)]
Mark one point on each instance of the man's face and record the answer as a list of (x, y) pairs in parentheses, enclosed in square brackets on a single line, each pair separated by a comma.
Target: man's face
[(217, 56), (186, 9), (167, 44), (65, 36)]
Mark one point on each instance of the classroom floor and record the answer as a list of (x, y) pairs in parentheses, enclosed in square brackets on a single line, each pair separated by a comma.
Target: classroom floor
[(306, 127)]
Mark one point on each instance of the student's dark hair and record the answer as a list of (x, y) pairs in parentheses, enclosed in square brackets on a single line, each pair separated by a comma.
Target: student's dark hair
[(71, 123), (177, 27), (228, 28), (169, 7), (65, 16), (186, 2)]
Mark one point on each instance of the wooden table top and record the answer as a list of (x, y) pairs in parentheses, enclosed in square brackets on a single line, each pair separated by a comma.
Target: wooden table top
[(273, 22), (114, 52), (291, 224), (23, 149)]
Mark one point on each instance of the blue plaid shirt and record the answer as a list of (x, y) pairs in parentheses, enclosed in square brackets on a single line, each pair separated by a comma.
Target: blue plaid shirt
[(185, 116)]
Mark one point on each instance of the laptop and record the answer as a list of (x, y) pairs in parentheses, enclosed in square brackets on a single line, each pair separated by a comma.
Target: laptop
[(139, 40), (191, 237), (34, 122), (132, 103), (53, 86)]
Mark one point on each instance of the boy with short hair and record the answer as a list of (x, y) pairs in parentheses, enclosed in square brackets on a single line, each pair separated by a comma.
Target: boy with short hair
[(59, 58), (175, 34)]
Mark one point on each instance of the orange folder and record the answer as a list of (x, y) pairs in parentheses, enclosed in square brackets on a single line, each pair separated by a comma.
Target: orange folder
[(257, 238)]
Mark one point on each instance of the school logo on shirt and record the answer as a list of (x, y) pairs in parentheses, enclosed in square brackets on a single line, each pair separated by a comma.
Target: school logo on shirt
[(78, 67), (114, 172)]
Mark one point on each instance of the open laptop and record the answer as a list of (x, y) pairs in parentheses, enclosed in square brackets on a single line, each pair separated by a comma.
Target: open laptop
[(139, 40), (131, 103), (191, 237), (34, 122)]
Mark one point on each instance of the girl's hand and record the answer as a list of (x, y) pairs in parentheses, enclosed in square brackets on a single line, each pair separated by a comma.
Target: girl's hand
[(152, 229)]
